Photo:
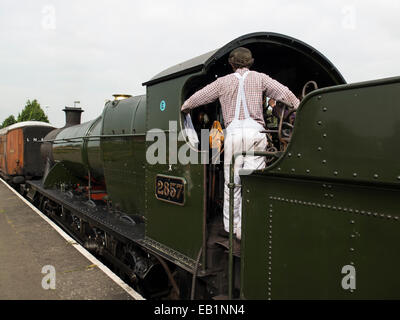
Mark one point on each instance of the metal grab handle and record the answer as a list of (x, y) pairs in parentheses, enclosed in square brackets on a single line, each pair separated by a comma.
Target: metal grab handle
[(303, 93), (231, 186)]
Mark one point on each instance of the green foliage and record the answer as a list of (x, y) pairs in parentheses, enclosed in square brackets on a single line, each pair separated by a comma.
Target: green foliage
[(8, 122), (32, 111)]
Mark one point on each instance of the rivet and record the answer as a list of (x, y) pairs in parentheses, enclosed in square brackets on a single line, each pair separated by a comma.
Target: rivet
[(248, 201), (299, 155), (376, 176), (289, 154), (324, 135), (326, 195), (323, 161), (319, 97), (351, 249), (293, 170), (319, 149), (324, 109), (352, 221), (308, 170), (398, 177), (335, 173), (279, 169), (319, 122), (352, 236), (354, 174)]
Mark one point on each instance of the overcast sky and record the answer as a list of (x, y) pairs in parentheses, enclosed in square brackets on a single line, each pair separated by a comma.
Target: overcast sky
[(61, 51)]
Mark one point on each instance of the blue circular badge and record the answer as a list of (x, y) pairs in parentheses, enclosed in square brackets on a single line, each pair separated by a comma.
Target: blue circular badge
[(163, 105)]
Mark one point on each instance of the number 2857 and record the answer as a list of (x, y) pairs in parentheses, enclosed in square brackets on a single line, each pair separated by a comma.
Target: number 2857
[(169, 189)]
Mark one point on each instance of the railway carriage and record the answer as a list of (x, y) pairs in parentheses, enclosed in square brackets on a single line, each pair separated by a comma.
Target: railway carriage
[(20, 150)]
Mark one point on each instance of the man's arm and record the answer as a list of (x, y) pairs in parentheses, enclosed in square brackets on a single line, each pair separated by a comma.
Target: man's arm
[(278, 91), (204, 96)]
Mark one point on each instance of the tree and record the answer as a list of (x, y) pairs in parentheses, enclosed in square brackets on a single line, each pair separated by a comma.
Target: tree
[(8, 122), (32, 111)]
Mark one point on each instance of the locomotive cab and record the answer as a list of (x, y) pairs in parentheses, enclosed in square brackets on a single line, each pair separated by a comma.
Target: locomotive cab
[(285, 59), (292, 63)]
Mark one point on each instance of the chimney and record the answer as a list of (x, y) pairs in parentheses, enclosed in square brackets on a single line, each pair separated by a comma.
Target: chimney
[(72, 116)]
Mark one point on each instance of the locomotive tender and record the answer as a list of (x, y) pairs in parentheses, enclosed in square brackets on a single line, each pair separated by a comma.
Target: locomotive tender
[(327, 201)]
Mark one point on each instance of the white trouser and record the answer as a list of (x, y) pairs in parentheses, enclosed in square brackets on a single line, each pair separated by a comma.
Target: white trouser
[(241, 135)]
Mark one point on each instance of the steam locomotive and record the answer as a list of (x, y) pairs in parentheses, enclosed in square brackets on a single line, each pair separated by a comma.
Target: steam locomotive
[(320, 221)]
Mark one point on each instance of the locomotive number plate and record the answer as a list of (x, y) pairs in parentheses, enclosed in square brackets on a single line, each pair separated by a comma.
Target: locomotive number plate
[(170, 189)]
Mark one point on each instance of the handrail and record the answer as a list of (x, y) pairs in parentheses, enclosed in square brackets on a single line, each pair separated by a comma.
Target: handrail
[(95, 136), (231, 186)]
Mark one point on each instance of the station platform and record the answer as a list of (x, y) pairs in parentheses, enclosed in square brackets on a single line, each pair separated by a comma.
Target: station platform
[(30, 244)]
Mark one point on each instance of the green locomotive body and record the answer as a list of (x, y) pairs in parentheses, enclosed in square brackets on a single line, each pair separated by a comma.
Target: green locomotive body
[(320, 196)]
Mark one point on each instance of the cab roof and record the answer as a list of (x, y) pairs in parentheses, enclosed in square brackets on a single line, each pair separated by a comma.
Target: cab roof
[(204, 61)]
